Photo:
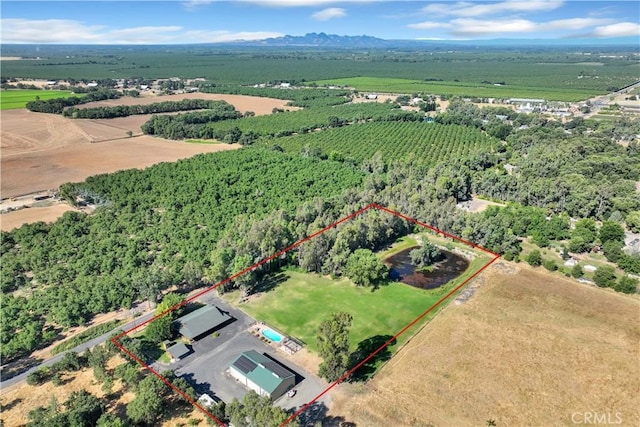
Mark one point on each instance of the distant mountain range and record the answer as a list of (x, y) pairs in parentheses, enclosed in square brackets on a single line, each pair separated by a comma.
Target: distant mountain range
[(323, 40)]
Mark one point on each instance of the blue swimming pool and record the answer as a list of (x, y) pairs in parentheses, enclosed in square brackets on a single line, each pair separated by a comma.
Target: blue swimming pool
[(271, 335)]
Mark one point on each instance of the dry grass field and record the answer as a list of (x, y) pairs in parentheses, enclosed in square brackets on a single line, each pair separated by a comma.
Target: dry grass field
[(530, 348), (18, 400)]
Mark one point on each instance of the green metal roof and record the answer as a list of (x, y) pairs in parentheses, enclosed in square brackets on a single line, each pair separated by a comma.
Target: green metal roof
[(178, 350), (263, 371), (201, 321)]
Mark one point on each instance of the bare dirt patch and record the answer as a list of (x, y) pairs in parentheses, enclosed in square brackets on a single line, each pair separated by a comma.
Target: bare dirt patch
[(242, 103), (530, 348), (478, 205), (11, 220), (47, 169)]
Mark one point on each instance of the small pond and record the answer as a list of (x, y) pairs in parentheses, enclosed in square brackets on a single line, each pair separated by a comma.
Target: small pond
[(449, 268)]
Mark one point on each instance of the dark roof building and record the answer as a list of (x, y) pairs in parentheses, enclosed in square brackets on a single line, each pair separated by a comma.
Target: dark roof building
[(178, 351), (201, 321), (262, 374)]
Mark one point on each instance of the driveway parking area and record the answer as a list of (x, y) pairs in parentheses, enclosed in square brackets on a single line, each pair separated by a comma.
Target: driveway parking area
[(206, 367)]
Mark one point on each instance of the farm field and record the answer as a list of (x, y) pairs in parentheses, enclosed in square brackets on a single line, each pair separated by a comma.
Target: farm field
[(41, 151), (529, 348), (468, 89), (11, 220), (14, 99), (430, 142), (532, 68), (39, 170), (243, 103)]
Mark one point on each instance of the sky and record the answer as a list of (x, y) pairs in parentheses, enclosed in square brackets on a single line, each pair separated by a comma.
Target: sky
[(212, 21)]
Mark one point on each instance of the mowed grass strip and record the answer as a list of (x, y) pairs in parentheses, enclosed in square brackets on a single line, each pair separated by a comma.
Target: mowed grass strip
[(451, 88), (18, 98)]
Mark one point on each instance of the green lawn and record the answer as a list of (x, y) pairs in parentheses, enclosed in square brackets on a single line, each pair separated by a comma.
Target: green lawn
[(303, 301), (451, 88), (13, 99)]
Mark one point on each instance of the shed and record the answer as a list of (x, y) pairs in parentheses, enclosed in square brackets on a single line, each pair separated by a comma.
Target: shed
[(262, 374), (201, 321), (178, 351)]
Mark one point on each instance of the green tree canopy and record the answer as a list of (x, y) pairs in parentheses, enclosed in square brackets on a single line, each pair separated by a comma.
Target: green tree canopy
[(605, 276), (425, 255), (365, 269), (148, 404), (534, 258), (611, 232), (333, 345), (633, 221)]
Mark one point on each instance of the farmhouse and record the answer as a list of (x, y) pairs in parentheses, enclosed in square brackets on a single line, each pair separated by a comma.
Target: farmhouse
[(197, 323), (261, 374)]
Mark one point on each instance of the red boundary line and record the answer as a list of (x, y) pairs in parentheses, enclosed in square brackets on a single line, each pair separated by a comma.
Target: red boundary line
[(281, 252)]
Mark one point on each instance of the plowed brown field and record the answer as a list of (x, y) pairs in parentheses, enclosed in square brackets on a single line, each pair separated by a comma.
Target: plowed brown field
[(41, 151)]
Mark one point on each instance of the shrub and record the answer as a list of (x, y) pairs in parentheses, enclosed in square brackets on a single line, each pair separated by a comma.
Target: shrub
[(576, 271), (549, 265), (36, 377), (534, 258), (605, 276), (626, 285)]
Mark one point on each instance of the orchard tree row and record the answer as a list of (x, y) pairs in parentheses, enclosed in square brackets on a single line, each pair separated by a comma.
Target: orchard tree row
[(221, 108), (57, 105)]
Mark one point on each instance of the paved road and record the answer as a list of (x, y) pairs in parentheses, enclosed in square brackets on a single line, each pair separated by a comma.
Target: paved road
[(602, 101), (82, 347)]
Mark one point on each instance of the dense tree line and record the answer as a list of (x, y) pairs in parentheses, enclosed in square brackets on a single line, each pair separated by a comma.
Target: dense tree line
[(246, 130), (212, 215), (157, 228), (216, 109), (298, 97), (57, 105)]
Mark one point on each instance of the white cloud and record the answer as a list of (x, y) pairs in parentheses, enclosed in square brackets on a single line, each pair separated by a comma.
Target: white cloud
[(64, 31), (430, 25), (305, 3), (192, 5), (329, 13), (469, 9), (466, 26), (469, 27), (573, 23), (204, 36), (621, 29)]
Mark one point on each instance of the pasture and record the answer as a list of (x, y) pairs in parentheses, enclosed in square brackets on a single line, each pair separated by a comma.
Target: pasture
[(18, 98), (530, 348)]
